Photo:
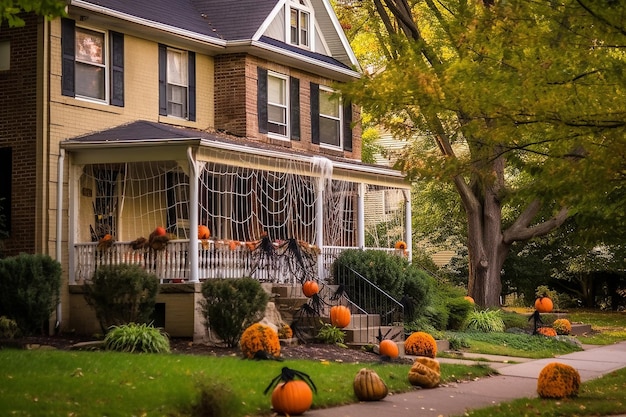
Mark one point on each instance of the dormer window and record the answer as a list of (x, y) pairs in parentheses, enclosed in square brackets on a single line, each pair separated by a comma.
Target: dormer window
[(300, 24)]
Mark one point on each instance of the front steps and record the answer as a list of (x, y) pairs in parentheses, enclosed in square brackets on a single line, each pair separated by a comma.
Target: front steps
[(364, 329)]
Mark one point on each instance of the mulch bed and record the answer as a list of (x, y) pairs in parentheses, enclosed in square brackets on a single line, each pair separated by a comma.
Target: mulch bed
[(311, 351)]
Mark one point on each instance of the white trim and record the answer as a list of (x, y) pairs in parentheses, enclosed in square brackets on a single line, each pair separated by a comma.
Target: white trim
[(346, 71), (268, 21), (149, 23), (338, 118), (340, 33), (287, 107), (106, 65)]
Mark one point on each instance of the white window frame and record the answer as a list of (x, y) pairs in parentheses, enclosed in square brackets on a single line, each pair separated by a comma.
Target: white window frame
[(302, 10), (104, 65), (184, 84), (284, 107), (338, 119)]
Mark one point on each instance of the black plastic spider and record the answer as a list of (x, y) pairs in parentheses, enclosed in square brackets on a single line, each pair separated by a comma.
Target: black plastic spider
[(286, 375)]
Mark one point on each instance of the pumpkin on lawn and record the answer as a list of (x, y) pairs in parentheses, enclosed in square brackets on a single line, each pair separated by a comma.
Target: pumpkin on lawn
[(310, 288), (293, 392), (388, 348), (544, 304), (368, 386), (340, 316)]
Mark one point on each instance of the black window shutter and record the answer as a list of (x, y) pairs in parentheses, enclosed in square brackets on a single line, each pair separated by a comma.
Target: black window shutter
[(294, 107), (117, 69), (315, 113), (68, 43), (261, 99), (162, 80), (191, 67), (347, 126)]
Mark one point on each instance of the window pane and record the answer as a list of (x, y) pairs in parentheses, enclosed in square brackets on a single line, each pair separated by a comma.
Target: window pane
[(276, 114), (276, 90), (304, 29), (329, 131), (90, 81), (89, 46), (294, 26), (329, 105), (176, 67), (176, 101)]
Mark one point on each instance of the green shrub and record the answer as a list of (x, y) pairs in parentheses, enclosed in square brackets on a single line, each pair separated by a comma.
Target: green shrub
[(29, 290), (330, 334), (459, 310), (391, 273), (231, 305), (486, 321), (140, 338), (122, 294), (8, 328)]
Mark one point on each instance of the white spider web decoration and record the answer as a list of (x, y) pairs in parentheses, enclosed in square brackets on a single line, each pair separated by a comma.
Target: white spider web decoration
[(129, 200)]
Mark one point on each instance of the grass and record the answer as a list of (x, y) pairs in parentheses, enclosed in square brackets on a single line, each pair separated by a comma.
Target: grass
[(54, 383), (599, 397), (518, 345), (608, 327)]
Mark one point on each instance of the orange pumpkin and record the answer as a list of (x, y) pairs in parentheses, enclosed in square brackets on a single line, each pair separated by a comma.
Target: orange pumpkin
[(159, 231), (470, 299), (292, 398), (203, 232), (233, 244), (339, 316), (388, 348), (310, 288), (544, 304)]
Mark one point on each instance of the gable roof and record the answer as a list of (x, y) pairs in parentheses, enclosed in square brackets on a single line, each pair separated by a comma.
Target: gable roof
[(229, 24)]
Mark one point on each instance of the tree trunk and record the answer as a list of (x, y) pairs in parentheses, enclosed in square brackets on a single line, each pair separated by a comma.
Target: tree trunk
[(487, 250)]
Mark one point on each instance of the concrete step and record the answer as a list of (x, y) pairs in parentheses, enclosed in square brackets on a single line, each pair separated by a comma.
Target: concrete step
[(370, 335), (580, 328)]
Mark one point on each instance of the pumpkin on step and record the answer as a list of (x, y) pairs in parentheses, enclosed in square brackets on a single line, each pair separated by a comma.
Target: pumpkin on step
[(368, 386), (310, 288), (340, 316)]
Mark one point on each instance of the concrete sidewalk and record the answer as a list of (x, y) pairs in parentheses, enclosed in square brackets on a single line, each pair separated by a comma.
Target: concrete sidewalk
[(517, 380)]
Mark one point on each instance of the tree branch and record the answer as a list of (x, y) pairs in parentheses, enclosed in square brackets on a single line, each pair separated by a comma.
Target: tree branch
[(520, 231)]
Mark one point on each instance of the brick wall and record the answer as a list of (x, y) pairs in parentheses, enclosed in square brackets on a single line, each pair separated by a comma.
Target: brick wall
[(18, 130), (236, 103)]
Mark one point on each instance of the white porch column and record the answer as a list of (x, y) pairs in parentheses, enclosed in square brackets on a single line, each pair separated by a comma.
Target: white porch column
[(408, 213), (193, 217), (319, 225), (360, 222)]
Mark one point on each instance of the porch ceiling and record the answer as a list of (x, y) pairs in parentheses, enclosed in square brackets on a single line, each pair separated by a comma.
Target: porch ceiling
[(151, 141)]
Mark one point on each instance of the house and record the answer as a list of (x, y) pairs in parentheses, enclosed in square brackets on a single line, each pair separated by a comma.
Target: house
[(125, 117)]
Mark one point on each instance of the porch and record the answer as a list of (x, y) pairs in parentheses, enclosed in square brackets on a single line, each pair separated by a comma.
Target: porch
[(275, 214)]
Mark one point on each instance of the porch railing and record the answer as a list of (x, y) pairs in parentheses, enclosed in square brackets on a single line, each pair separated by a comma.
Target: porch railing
[(171, 264), (369, 297)]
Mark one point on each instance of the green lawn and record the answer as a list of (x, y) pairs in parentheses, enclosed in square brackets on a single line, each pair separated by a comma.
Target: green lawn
[(599, 397), (79, 384), (61, 383)]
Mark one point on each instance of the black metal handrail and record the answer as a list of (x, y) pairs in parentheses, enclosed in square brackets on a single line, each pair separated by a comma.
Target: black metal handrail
[(368, 296)]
